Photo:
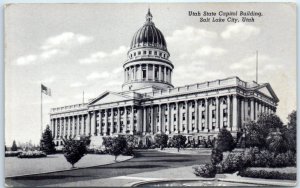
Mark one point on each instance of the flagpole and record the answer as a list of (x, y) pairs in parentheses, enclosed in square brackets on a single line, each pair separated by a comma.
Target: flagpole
[(41, 111)]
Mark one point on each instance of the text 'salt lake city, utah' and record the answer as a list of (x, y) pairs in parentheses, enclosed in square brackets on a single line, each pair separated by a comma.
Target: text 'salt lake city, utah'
[(181, 94)]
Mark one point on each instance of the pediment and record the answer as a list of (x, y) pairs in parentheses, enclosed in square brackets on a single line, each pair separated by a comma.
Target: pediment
[(109, 97), (267, 90)]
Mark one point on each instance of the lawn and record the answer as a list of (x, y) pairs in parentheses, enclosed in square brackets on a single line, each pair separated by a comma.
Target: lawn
[(189, 151), (282, 170), (15, 166)]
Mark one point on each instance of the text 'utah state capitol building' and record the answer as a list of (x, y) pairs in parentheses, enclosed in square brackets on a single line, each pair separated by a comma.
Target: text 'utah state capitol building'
[(150, 104)]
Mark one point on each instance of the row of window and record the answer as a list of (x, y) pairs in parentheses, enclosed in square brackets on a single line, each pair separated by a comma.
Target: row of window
[(148, 52)]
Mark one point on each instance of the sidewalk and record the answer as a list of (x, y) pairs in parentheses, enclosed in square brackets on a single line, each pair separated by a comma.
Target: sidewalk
[(183, 174)]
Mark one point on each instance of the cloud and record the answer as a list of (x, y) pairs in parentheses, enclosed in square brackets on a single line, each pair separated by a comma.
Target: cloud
[(25, 60), (249, 63), (60, 44), (77, 84), (239, 31), (190, 34), (49, 80), (66, 39), (100, 56), (96, 75), (204, 51)]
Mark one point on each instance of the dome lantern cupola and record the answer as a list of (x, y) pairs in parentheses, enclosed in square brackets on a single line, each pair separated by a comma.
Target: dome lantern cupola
[(148, 63)]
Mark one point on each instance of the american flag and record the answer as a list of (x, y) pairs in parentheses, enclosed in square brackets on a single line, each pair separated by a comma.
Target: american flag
[(45, 90)]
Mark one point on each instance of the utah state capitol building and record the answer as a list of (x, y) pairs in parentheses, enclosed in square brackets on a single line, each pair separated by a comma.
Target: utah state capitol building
[(150, 104)]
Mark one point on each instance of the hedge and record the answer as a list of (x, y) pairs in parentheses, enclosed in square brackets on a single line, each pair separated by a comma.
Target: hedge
[(267, 174), (32, 154)]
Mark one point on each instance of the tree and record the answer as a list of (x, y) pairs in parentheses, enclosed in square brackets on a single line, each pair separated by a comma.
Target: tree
[(117, 146), (14, 146), (161, 140), (47, 144), (276, 143), (253, 135), (225, 141), (74, 150), (178, 141), (216, 156), (290, 133)]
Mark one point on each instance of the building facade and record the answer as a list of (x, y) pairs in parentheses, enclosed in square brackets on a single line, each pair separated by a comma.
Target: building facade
[(150, 104)]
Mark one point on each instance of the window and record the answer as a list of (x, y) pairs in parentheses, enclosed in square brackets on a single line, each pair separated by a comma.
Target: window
[(174, 117), (157, 118), (160, 54), (224, 101), (135, 110), (213, 125), (225, 124), (150, 52), (144, 52), (225, 112), (203, 104), (155, 52), (193, 115), (139, 53), (214, 114), (203, 114), (183, 116), (183, 106), (174, 107), (166, 118), (193, 105)]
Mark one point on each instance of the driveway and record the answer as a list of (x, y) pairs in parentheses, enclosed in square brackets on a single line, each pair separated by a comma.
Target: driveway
[(144, 161)]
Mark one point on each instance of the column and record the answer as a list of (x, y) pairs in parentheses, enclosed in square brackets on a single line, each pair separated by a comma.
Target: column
[(259, 108), (152, 119), (69, 128), (242, 114), (165, 74), (112, 121), (177, 118), (125, 119), (153, 72), (221, 115), (55, 128), (256, 110), (82, 124), (147, 72), (132, 120), (118, 121), (169, 131), (159, 73), (105, 122), (134, 72), (188, 126), (228, 112), (196, 117), (93, 114), (234, 113), (78, 125), (159, 119), (144, 120), (252, 114), (217, 128), (206, 116)]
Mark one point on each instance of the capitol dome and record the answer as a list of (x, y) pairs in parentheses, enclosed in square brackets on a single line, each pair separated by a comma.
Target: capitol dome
[(148, 35)]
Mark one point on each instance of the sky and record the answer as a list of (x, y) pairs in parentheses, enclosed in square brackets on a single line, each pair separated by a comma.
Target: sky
[(72, 48)]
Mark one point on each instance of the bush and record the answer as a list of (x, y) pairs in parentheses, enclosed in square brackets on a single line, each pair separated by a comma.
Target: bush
[(14, 146), (47, 144), (178, 141), (225, 141), (12, 153), (98, 151), (263, 159), (267, 174), (74, 150), (276, 142), (280, 161), (216, 156), (249, 155), (32, 154), (118, 146), (161, 140), (206, 171), (232, 163)]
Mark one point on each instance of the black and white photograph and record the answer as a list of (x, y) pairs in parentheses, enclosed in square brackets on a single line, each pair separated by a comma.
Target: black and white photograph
[(150, 94)]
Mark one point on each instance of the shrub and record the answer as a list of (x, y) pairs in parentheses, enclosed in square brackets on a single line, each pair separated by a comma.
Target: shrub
[(267, 174), (140, 145), (97, 151), (280, 160), (276, 142), (32, 154), (178, 141), (249, 155), (47, 144), (225, 141), (118, 146), (161, 140), (232, 163), (206, 170), (291, 158), (12, 153), (216, 156), (74, 150), (14, 146), (263, 159)]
